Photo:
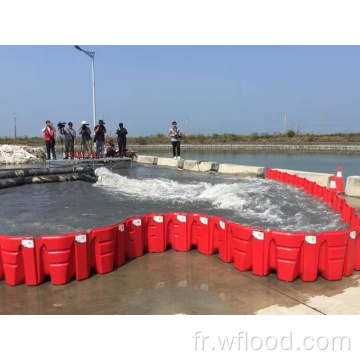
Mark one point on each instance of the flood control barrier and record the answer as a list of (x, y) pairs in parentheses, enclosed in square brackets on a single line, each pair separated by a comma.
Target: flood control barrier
[(63, 258)]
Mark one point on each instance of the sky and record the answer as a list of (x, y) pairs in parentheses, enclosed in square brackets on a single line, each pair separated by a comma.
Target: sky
[(208, 84)]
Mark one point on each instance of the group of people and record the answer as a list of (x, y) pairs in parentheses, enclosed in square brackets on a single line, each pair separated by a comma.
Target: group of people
[(86, 140)]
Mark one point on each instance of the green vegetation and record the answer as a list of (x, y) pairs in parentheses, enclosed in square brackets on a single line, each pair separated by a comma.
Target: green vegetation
[(291, 137)]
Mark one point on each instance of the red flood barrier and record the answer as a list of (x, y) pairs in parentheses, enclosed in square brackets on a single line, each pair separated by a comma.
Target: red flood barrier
[(199, 233), (220, 240), (134, 240), (154, 230), (283, 253), (333, 246), (330, 254), (176, 231), (349, 261), (120, 246), (246, 253), (2, 273), (103, 246), (17, 260), (61, 257)]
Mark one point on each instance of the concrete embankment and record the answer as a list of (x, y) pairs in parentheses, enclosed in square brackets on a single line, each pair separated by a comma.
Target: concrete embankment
[(203, 166), (352, 188)]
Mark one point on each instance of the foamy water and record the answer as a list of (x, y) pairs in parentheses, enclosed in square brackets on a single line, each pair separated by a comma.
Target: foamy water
[(59, 208), (256, 202)]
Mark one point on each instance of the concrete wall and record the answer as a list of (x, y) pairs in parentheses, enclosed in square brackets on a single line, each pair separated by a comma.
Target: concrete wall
[(201, 166), (170, 162), (146, 159), (321, 179), (352, 187), (242, 170)]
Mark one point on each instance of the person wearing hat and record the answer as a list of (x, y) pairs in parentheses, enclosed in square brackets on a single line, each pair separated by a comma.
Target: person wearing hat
[(86, 142), (121, 133), (99, 138), (49, 137), (70, 138), (175, 135)]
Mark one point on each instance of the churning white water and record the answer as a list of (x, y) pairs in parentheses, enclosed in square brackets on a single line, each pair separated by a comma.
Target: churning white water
[(253, 202)]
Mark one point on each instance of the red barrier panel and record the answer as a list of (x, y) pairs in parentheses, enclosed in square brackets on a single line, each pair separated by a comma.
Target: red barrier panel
[(310, 258), (350, 255), (120, 246), (102, 248), (154, 233), (62, 257), (2, 273), (340, 204), (346, 213), (354, 220), (283, 254), (356, 223), (219, 240), (134, 241), (176, 231), (334, 202), (18, 260), (281, 177), (332, 254), (275, 175), (328, 196), (242, 239), (199, 233), (268, 174)]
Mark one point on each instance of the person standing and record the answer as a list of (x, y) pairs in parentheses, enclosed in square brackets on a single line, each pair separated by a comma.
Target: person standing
[(121, 132), (99, 138), (86, 142), (70, 138), (175, 134), (49, 137)]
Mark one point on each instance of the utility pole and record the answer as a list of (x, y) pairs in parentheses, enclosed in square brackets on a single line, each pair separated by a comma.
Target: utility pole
[(285, 121), (321, 124), (15, 127)]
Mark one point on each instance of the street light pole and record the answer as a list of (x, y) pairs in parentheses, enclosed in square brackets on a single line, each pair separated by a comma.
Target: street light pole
[(92, 55)]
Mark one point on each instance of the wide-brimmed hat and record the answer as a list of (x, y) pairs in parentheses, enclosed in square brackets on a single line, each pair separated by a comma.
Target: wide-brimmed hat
[(83, 123)]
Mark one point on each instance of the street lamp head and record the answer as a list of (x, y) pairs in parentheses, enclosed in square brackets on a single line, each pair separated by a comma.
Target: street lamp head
[(78, 47)]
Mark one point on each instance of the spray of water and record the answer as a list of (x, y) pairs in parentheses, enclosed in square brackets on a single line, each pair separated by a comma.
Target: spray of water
[(258, 202)]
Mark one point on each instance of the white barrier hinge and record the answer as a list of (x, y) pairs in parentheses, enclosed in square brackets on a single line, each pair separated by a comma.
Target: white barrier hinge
[(158, 219), (181, 218), (27, 243), (121, 227), (353, 235), (310, 239), (204, 220), (258, 235), (80, 239), (137, 222), (222, 225)]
